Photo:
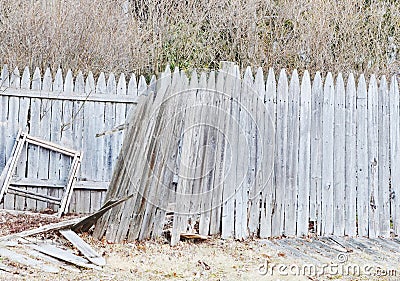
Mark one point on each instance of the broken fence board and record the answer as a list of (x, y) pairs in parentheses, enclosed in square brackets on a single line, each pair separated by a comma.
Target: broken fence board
[(83, 247)]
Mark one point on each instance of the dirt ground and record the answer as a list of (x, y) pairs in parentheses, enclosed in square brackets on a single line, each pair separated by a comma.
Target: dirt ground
[(213, 259)]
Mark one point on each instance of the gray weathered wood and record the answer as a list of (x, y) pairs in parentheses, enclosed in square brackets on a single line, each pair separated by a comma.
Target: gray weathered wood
[(395, 153), (350, 159), (373, 159), (293, 156), (304, 174), (27, 261), (83, 247), (383, 196), (339, 158), (327, 159), (362, 158), (280, 155)]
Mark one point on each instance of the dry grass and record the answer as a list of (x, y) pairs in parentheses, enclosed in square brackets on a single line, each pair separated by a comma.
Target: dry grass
[(97, 35)]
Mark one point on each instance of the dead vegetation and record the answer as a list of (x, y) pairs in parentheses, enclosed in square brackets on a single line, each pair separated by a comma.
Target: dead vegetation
[(142, 36)]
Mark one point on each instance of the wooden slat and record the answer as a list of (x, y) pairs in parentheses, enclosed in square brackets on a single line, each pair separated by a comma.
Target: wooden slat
[(83, 247), (350, 159), (304, 175), (63, 255), (280, 155), (27, 261), (266, 168), (373, 161), (362, 158), (293, 156), (316, 152), (339, 158), (44, 133), (327, 160), (34, 129), (383, 195), (395, 153)]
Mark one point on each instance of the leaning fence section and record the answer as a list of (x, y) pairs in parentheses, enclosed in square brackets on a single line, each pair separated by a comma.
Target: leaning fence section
[(79, 113), (250, 155)]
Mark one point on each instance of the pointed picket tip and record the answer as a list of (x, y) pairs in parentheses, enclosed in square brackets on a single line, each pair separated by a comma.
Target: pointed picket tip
[(340, 83), (121, 86), (101, 86), (15, 80), (211, 80), (317, 79), (373, 82), (394, 86), (47, 80), (270, 86), (351, 82), (167, 70), (142, 87), (185, 80), (305, 87), (132, 86), (26, 79), (193, 80), (282, 76), (79, 85), (259, 85), (248, 74), (329, 83), (294, 81), (69, 82), (176, 77), (58, 84), (37, 80), (152, 85), (203, 80), (111, 84), (362, 87), (90, 86)]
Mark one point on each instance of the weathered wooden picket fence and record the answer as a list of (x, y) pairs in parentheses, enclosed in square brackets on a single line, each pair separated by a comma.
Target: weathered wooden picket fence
[(249, 156), (71, 112)]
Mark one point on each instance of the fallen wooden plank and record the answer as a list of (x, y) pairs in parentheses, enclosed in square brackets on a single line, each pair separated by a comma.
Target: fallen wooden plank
[(55, 261), (83, 247), (64, 255), (193, 236), (86, 223), (16, 257), (48, 227)]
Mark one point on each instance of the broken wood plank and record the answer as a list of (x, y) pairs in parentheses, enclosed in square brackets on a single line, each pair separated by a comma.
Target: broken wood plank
[(36, 254), (64, 255), (48, 227), (16, 257), (83, 247), (193, 236)]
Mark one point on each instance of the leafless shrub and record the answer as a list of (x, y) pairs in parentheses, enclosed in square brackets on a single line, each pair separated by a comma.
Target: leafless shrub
[(143, 35)]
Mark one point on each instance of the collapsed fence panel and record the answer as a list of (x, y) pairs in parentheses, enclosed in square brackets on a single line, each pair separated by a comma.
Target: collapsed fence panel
[(243, 156)]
